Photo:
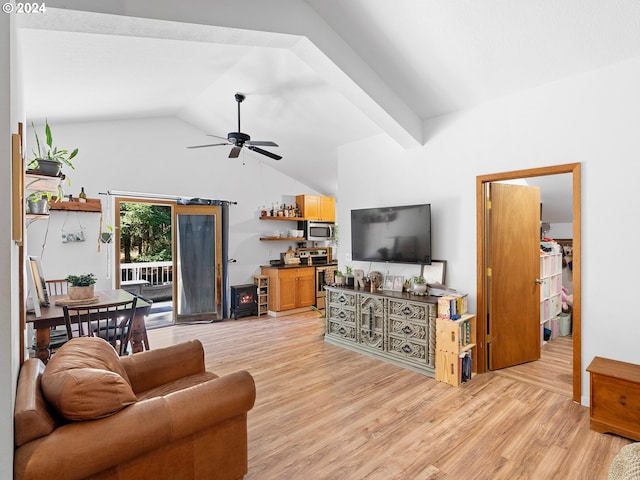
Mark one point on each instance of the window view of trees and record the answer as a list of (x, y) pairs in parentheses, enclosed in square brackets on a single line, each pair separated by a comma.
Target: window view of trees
[(145, 232)]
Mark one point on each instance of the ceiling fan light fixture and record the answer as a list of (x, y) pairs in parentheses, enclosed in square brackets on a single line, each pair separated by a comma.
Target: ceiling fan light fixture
[(239, 139)]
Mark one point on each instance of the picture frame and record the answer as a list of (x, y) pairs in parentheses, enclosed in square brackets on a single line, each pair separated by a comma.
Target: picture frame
[(436, 272), (398, 283), (388, 282), (39, 283), (393, 283)]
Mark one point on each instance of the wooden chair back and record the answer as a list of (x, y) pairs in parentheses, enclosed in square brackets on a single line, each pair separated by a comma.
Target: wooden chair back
[(57, 287), (112, 322)]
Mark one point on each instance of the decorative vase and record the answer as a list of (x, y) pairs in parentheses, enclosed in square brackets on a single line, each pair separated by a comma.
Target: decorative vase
[(80, 293), (50, 168)]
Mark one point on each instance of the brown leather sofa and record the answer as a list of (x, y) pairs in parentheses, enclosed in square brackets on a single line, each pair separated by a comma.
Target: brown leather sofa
[(156, 414)]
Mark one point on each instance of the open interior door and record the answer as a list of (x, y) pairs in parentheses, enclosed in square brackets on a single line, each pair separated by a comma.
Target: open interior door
[(514, 262)]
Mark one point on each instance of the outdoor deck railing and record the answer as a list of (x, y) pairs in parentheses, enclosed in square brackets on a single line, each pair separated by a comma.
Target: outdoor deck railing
[(156, 273)]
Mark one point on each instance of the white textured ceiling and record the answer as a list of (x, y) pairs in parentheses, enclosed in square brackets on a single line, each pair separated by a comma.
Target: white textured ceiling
[(318, 74)]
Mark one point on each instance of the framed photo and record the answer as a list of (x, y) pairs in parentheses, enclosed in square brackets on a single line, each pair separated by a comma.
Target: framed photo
[(393, 283), (398, 283), (435, 273), (39, 284)]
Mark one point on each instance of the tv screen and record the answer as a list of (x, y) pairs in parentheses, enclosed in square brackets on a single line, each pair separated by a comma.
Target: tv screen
[(392, 234)]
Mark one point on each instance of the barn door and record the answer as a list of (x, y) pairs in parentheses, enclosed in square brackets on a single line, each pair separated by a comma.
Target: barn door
[(197, 263)]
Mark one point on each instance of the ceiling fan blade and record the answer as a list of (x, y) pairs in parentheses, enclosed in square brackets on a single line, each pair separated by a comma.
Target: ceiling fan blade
[(235, 152), (217, 136), (262, 143), (209, 145), (264, 152)]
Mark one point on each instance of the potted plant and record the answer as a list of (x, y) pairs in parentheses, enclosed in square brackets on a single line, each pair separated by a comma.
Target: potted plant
[(38, 203), (348, 276), (81, 286), (107, 235), (49, 159), (418, 285), (339, 277)]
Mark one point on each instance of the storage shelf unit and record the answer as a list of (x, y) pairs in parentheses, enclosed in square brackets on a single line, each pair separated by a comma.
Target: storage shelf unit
[(550, 289), (455, 340), (262, 284), (283, 239)]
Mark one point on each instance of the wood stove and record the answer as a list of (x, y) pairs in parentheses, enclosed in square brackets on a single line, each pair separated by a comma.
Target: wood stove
[(244, 300)]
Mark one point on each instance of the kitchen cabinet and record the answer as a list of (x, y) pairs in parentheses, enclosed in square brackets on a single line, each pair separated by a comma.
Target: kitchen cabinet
[(317, 207), (290, 288)]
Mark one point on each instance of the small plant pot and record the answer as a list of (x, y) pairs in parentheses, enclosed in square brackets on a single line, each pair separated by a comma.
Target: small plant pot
[(419, 288), (106, 237), (80, 293), (339, 279), (48, 167), (38, 207)]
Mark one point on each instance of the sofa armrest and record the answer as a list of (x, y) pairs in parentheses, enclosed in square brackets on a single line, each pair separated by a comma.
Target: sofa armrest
[(152, 368), (206, 404), (81, 449)]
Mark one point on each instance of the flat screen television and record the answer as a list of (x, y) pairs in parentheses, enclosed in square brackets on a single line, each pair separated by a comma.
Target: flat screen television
[(400, 234)]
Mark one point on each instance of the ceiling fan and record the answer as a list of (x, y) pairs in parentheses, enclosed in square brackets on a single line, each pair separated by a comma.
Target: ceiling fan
[(239, 139)]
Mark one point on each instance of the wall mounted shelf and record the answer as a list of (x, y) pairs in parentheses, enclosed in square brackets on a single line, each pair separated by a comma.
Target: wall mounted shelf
[(35, 182), (91, 205)]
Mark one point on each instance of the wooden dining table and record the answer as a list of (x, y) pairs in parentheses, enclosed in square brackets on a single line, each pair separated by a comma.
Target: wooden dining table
[(53, 316)]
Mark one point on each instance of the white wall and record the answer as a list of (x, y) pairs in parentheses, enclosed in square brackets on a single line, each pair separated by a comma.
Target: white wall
[(592, 118), (561, 230), (150, 155), (11, 112)]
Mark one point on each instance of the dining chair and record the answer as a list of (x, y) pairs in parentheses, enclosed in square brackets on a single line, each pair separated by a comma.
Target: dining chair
[(111, 321), (58, 335), (145, 336), (56, 287)]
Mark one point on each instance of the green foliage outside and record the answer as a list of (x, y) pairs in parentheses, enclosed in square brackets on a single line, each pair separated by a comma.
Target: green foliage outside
[(145, 232)]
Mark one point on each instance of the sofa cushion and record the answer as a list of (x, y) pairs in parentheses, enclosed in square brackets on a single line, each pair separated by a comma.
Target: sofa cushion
[(84, 380)]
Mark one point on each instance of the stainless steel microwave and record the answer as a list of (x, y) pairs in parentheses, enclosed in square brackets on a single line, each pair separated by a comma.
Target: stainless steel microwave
[(317, 231)]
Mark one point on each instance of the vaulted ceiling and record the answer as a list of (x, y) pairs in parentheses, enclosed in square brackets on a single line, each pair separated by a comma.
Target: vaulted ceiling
[(317, 73)]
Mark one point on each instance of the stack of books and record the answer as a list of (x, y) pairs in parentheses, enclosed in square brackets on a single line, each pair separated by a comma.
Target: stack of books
[(453, 306)]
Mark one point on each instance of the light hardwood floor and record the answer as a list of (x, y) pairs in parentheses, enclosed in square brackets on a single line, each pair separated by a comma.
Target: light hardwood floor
[(323, 412)]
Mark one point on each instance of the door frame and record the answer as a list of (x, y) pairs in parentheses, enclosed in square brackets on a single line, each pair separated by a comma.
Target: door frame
[(118, 200), (481, 261)]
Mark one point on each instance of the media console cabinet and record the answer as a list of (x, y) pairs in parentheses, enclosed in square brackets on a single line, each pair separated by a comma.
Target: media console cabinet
[(397, 327)]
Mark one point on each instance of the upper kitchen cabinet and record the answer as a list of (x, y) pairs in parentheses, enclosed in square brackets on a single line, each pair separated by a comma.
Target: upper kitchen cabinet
[(317, 207)]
